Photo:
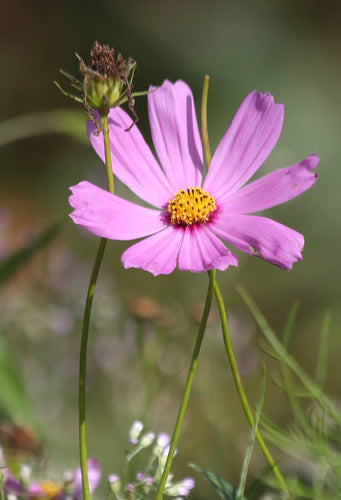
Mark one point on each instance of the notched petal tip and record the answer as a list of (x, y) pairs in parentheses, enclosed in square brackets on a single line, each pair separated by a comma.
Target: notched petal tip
[(261, 100)]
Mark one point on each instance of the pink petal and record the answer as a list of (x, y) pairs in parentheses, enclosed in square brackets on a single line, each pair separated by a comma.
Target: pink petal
[(201, 250), (275, 188), (260, 236), (35, 491), (109, 216), (157, 254), (94, 476), (132, 160), (246, 144), (175, 133)]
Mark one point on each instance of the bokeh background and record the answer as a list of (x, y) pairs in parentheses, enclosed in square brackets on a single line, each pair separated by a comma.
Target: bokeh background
[(137, 366)]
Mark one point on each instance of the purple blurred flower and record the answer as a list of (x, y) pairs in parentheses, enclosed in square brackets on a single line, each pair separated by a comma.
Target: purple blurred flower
[(190, 221), (94, 476), (52, 491)]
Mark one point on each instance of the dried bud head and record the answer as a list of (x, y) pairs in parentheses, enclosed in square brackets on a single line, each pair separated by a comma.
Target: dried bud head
[(102, 60), (106, 82), (19, 441)]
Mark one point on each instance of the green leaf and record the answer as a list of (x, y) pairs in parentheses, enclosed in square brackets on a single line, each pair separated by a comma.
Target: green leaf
[(224, 489), (75, 82), (61, 121), (141, 93), (322, 362), (68, 94), (246, 462), (289, 325), (315, 391), (13, 263), (13, 398)]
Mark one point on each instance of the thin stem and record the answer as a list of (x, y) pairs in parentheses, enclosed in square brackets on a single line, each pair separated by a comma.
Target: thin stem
[(204, 132), (240, 390), (222, 311), (86, 326), (82, 368), (110, 177), (188, 386)]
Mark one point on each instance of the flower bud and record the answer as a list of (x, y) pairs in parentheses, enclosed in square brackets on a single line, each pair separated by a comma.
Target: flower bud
[(147, 439), (114, 483), (163, 440), (68, 483), (130, 492), (25, 475), (107, 83), (105, 78), (134, 432)]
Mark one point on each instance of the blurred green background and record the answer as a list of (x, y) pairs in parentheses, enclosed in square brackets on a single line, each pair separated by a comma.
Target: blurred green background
[(290, 48)]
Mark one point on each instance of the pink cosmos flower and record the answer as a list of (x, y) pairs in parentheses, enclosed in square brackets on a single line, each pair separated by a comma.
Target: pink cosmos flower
[(192, 216)]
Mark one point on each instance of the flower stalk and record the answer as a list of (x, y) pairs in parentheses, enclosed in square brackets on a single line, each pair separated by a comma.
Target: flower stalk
[(240, 389), (223, 318), (188, 386), (204, 131), (110, 177), (86, 325)]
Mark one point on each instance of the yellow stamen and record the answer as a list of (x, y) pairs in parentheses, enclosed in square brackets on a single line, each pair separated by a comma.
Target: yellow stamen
[(191, 206)]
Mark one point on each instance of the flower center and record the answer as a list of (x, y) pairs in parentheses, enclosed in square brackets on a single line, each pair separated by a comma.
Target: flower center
[(191, 206)]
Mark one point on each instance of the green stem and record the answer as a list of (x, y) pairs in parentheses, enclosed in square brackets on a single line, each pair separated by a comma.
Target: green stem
[(240, 390), (222, 311), (110, 177), (82, 368), (188, 386), (204, 132), (86, 326)]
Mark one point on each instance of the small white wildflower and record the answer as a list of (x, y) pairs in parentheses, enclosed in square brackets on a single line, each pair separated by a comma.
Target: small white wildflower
[(114, 483), (182, 488), (2, 457), (135, 431), (147, 439), (68, 476), (162, 440), (186, 486), (68, 484), (11, 496), (25, 473)]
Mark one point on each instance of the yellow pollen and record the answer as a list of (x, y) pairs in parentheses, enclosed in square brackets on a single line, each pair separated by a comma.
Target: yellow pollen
[(191, 206), (50, 489)]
